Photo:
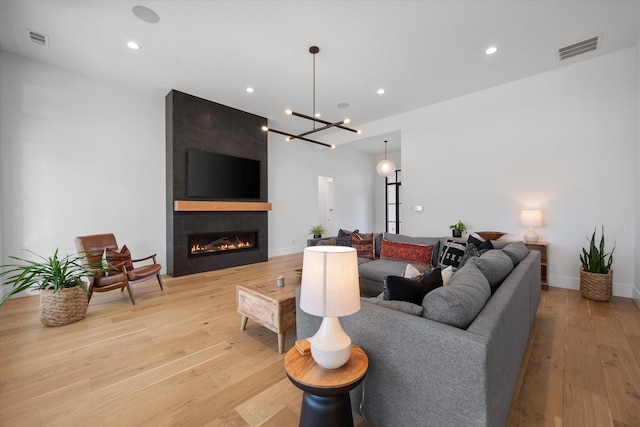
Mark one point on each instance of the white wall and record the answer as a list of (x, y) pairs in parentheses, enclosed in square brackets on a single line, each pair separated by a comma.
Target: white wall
[(294, 168), (636, 293), (78, 156), (559, 141)]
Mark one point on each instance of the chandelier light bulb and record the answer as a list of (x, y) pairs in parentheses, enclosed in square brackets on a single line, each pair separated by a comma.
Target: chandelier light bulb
[(133, 45), (346, 121), (265, 128), (288, 112), (491, 50)]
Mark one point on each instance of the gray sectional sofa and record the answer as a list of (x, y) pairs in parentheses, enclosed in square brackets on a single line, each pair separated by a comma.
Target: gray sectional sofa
[(424, 372)]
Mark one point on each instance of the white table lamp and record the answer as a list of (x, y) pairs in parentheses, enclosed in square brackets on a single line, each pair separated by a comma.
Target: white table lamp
[(531, 218), (330, 288)]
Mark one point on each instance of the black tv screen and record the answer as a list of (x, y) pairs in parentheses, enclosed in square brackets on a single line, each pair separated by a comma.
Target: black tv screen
[(218, 176)]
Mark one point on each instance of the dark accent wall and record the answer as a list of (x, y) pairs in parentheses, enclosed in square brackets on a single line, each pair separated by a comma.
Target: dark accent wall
[(199, 124)]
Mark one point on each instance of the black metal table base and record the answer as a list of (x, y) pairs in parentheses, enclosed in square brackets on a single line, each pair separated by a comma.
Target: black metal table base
[(324, 411)]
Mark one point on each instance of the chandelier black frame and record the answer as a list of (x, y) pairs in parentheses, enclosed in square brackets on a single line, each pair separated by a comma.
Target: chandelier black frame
[(327, 125)]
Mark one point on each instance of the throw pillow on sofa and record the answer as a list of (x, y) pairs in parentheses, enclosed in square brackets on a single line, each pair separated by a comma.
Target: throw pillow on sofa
[(459, 303), (411, 290), (447, 274), (344, 237), (475, 247), (410, 272), (363, 244), (406, 252), (402, 238), (452, 253)]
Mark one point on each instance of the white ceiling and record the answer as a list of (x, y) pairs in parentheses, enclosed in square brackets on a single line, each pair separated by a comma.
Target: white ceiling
[(420, 52)]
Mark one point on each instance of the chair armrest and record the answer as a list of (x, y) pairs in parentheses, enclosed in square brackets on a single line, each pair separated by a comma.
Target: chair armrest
[(153, 257)]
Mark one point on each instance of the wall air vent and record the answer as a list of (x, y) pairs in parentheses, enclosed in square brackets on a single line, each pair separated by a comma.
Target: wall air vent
[(578, 48), (38, 38)]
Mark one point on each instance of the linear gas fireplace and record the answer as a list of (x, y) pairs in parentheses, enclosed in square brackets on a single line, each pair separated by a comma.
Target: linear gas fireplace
[(218, 243)]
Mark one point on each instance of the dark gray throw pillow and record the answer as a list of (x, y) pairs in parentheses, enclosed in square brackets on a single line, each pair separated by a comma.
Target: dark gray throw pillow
[(458, 303), (517, 251), (344, 237), (495, 265), (397, 288)]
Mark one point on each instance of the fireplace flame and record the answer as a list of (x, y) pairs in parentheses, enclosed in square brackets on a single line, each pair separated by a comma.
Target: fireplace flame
[(222, 244)]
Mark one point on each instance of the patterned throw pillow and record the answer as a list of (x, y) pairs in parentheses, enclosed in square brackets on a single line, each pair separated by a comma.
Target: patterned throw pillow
[(363, 243), (406, 252), (344, 237), (452, 253), (114, 257), (475, 248)]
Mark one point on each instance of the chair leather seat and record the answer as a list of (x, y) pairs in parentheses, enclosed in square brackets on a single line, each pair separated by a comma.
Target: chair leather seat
[(104, 281), (143, 271)]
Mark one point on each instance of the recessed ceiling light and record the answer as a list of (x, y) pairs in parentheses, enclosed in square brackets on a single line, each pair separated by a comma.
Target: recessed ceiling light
[(250, 90), (343, 105), (133, 45), (491, 50), (380, 91)]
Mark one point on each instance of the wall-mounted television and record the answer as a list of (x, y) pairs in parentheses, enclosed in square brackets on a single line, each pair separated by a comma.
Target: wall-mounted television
[(218, 176)]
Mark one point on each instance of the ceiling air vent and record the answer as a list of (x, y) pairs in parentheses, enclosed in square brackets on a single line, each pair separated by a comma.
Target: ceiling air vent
[(38, 38), (578, 48)]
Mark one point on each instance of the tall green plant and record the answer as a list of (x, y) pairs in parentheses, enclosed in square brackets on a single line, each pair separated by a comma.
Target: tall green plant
[(66, 272), (595, 260)]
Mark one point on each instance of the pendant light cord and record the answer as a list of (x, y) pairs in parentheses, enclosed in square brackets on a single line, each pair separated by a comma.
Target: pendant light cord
[(314, 89)]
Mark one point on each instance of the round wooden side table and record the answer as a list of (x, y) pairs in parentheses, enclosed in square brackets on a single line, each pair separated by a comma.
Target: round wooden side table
[(326, 401)]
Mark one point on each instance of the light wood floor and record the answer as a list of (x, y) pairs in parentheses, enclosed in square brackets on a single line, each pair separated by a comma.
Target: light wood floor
[(178, 357)]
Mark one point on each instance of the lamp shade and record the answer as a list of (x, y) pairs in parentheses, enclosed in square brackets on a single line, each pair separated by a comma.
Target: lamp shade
[(531, 217), (330, 283), (385, 167)]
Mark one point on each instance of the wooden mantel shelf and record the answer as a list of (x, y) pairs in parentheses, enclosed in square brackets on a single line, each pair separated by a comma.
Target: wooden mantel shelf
[(206, 206)]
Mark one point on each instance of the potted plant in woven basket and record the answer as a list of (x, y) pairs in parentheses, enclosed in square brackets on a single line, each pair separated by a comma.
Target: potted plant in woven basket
[(596, 275), (63, 294)]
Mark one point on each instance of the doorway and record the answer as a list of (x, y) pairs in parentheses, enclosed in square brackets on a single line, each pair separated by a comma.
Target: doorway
[(325, 204)]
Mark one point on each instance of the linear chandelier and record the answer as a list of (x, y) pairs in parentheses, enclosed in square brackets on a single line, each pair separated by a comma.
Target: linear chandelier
[(327, 125)]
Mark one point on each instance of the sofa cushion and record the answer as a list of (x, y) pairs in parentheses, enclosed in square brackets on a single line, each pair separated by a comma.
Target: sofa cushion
[(517, 251), (408, 252), (344, 237), (401, 238), (451, 254), (495, 265), (379, 269), (403, 306), (363, 244), (460, 302), (411, 290)]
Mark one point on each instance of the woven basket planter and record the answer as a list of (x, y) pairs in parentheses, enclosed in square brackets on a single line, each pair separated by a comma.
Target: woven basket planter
[(63, 307), (596, 286)]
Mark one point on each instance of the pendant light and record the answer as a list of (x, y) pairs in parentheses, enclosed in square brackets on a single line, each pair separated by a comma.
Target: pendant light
[(313, 50), (385, 167)]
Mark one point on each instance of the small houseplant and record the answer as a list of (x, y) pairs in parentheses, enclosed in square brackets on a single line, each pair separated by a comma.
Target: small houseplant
[(317, 231), (458, 228), (63, 294), (596, 275)]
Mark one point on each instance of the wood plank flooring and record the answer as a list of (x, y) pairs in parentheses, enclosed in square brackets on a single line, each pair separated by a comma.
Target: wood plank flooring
[(178, 358)]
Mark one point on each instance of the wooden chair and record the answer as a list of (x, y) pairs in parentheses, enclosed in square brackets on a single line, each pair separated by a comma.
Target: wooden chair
[(122, 278)]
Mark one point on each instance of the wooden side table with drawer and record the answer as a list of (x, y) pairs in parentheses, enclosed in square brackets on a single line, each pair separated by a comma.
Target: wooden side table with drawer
[(268, 305)]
